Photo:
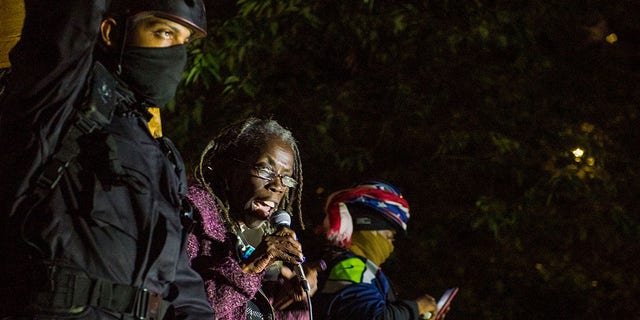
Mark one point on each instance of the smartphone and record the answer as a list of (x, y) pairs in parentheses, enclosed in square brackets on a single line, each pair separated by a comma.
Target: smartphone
[(445, 300)]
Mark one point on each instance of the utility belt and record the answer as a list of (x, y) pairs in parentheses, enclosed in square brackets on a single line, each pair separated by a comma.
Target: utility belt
[(71, 291)]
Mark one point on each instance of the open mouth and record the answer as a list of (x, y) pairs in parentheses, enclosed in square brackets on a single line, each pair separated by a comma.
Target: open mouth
[(263, 208)]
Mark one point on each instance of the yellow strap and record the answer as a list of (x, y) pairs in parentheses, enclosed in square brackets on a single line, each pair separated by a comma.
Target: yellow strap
[(155, 124), (12, 17)]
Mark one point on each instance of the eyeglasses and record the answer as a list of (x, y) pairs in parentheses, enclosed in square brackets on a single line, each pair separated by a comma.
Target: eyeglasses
[(267, 173)]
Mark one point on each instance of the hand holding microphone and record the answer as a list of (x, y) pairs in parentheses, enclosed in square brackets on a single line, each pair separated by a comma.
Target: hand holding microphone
[(282, 219), (281, 245)]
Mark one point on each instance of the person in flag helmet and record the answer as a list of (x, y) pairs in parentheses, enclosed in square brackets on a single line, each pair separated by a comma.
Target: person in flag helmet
[(360, 226)]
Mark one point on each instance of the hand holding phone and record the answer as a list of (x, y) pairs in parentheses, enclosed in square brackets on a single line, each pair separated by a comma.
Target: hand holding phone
[(445, 301)]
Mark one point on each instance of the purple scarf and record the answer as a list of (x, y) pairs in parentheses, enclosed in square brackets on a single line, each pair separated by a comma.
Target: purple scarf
[(212, 251)]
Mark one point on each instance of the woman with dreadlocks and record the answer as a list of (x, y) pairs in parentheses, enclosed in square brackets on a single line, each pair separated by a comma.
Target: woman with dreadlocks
[(248, 171)]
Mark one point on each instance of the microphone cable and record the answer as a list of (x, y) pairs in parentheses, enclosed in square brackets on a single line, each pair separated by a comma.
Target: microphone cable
[(282, 218)]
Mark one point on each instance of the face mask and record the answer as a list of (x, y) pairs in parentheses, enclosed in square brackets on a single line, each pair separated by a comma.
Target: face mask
[(154, 73), (371, 245)]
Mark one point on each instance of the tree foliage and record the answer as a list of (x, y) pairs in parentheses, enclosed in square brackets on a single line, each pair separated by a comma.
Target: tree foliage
[(477, 110)]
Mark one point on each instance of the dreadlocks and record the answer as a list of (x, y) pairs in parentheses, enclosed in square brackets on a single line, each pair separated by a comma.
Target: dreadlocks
[(246, 137)]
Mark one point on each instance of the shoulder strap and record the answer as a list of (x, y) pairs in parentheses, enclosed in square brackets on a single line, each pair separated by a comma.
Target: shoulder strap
[(94, 114)]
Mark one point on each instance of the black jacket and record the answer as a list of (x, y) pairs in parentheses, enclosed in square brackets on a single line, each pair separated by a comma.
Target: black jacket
[(125, 228)]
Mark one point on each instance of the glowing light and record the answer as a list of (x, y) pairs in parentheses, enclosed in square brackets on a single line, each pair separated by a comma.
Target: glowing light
[(577, 152), (612, 38), (591, 161)]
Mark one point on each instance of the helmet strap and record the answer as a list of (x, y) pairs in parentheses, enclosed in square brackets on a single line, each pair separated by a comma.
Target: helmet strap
[(122, 45)]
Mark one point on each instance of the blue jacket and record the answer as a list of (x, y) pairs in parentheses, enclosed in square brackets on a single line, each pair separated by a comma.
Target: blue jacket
[(355, 288)]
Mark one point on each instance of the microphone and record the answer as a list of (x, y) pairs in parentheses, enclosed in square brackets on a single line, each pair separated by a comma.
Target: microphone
[(281, 219)]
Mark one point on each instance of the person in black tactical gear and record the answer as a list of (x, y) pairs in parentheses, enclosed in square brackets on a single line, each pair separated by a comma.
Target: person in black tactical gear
[(92, 212)]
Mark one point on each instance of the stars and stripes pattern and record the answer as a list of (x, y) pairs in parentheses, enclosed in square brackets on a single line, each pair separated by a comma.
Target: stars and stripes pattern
[(382, 197)]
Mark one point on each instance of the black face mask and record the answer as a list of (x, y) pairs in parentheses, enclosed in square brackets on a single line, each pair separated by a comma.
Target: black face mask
[(154, 73)]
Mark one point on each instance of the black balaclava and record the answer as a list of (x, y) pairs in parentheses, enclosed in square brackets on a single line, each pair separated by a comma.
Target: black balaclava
[(153, 73)]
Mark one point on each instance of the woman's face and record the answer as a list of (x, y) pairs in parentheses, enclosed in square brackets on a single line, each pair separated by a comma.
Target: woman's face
[(254, 197)]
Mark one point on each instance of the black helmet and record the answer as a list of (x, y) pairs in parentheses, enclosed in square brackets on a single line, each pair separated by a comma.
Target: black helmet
[(188, 12)]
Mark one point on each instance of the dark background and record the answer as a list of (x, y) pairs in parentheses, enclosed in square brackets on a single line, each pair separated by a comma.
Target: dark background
[(474, 109)]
